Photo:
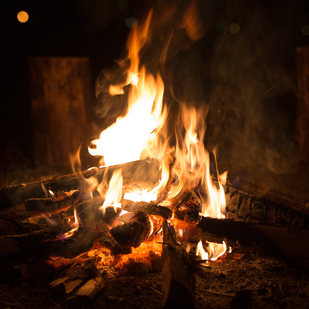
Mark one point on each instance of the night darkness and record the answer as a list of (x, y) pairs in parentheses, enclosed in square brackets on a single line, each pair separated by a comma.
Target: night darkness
[(99, 29)]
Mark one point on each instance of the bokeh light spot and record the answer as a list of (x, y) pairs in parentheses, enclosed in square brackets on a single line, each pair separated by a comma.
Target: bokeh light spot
[(22, 16), (305, 30), (130, 22), (234, 28), (222, 25)]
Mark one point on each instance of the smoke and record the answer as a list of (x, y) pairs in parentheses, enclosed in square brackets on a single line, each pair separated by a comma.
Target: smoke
[(252, 107), (242, 66)]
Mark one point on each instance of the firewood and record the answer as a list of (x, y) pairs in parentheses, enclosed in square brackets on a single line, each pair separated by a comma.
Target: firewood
[(90, 289), (134, 232), (178, 279), (64, 285), (50, 205), (150, 208), (74, 277), (171, 178), (132, 171), (288, 243)]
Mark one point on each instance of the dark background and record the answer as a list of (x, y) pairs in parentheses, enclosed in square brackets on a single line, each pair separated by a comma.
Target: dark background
[(255, 129)]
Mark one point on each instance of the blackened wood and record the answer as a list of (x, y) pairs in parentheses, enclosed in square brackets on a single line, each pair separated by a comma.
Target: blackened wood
[(50, 205), (150, 208), (134, 232), (131, 171), (178, 279), (288, 243)]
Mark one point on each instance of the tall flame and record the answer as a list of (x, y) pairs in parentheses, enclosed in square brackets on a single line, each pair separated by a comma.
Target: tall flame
[(129, 136)]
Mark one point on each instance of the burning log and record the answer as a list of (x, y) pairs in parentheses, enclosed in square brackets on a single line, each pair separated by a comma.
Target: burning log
[(178, 280), (134, 232), (150, 208), (50, 205), (132, 171), (288, 243)]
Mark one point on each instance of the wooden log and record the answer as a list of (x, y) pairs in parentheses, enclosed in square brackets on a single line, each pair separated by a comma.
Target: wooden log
[(288, 243), (60, 90), (64, 285), (90, 289), (132, 171), (74, 277), (134, 232), (150, 208), (178, 279), (50, 205), (302, 122)]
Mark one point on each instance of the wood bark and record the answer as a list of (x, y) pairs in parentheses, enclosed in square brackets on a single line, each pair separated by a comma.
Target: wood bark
[(178, 280)]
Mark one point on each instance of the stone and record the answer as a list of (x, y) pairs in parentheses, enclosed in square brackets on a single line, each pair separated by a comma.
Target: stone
[(251, 219), (230, 215), (283, 217), (245, 210), (258, 210), (271, 215), (299, 222), (233, 203)]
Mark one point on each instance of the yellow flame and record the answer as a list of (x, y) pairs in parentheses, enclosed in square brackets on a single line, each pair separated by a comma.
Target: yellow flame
[(75, 226), (114, 192)]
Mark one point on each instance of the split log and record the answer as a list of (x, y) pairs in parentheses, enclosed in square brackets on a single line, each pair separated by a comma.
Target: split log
[(178, 279), (141, 170), (90, 289), (288, 243), (74, 277), (62, 286)]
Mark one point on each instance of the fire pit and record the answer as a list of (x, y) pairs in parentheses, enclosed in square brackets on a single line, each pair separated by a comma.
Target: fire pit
[(153, 225)]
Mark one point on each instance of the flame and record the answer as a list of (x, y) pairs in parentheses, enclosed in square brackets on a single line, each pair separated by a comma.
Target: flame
[(200, 252), (129, 136), (114, 192), (213, 251), (75, 226), (148, 196)]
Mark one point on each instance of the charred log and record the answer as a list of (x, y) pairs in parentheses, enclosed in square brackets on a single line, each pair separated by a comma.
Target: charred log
[(288, 243), (138, 170)]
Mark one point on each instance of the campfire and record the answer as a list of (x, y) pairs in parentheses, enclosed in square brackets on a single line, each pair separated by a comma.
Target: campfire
[(156, 200)]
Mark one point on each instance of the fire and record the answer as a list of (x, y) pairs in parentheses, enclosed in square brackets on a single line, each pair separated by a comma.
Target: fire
[(114, 192), (129, 136), (139, 134), (75, 226)]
